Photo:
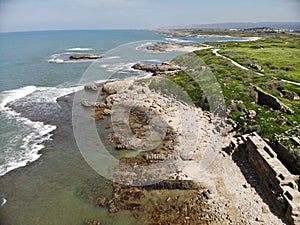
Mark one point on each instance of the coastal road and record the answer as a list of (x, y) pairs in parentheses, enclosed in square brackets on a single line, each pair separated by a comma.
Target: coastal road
[(215, 51)]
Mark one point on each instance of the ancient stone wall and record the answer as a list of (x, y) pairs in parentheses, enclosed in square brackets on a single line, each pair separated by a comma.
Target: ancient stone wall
[(264, 98), (276, 180), (287, 157)]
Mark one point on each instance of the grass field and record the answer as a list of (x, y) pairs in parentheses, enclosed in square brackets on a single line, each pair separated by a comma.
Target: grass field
[(279, 57), (237, 86)]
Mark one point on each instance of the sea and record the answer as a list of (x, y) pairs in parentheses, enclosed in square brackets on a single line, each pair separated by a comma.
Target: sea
[(43, 177)]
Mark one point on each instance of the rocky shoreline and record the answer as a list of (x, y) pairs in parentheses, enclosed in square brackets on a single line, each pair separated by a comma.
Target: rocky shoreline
[(164, 129), (176, 47), (218, 195)]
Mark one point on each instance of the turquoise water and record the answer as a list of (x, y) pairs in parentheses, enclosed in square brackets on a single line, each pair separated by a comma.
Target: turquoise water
[(34, 71)]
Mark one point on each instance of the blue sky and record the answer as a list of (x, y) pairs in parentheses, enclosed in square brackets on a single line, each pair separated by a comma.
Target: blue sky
[(23, 15)]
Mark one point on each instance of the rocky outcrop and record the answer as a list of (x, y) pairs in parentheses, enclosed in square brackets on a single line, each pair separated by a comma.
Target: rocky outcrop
[(84, 56), (164, 68), (173, 47), (117, 86), (267, 99)]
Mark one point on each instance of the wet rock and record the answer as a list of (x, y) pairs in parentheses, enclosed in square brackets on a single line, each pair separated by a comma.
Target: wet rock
[(157, 69), (86, 103), (91, 87), (84, 56), (98, 116), (113, 206), (107, 112), (102, 201)]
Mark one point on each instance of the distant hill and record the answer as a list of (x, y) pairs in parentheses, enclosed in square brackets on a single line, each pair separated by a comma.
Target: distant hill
[(273, 25)]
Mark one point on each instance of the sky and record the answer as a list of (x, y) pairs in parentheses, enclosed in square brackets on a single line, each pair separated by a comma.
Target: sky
[(29, 15)]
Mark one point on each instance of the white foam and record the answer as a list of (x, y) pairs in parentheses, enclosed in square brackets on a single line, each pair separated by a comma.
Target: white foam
[(37, 132), (144, 46), (177, 40), (31, 146), (56, 60), (80, 49), (12, 95), (119, 67), (50, 94), (3, 201), (113, 57)]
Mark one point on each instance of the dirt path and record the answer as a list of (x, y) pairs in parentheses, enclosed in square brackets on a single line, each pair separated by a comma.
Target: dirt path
[(215, 51)]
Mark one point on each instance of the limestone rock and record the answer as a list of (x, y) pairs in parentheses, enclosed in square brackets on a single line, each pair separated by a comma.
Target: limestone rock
[(252, 114)]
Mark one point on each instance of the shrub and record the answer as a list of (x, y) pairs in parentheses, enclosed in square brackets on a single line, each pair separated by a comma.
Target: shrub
[(288, 68), (255, 128), (274, 85), (273, 67), (289, 94), (268, 64)]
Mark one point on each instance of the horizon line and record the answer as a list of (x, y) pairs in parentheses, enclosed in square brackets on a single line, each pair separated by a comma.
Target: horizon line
[(146, 29)]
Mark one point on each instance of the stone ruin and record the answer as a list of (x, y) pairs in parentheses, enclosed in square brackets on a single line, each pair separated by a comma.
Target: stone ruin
[(264, 98), (277, 182)]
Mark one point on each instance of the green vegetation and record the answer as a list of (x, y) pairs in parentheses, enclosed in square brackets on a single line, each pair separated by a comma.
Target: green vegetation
[(237, 84), (192, 88), (278, 57), (240, 97), (182, 86)]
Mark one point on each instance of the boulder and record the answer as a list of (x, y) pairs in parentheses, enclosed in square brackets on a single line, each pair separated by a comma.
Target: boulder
[(91, 87), (257, 67)]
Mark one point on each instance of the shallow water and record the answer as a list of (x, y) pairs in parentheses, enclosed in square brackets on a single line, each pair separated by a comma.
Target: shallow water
[(60, 187)]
